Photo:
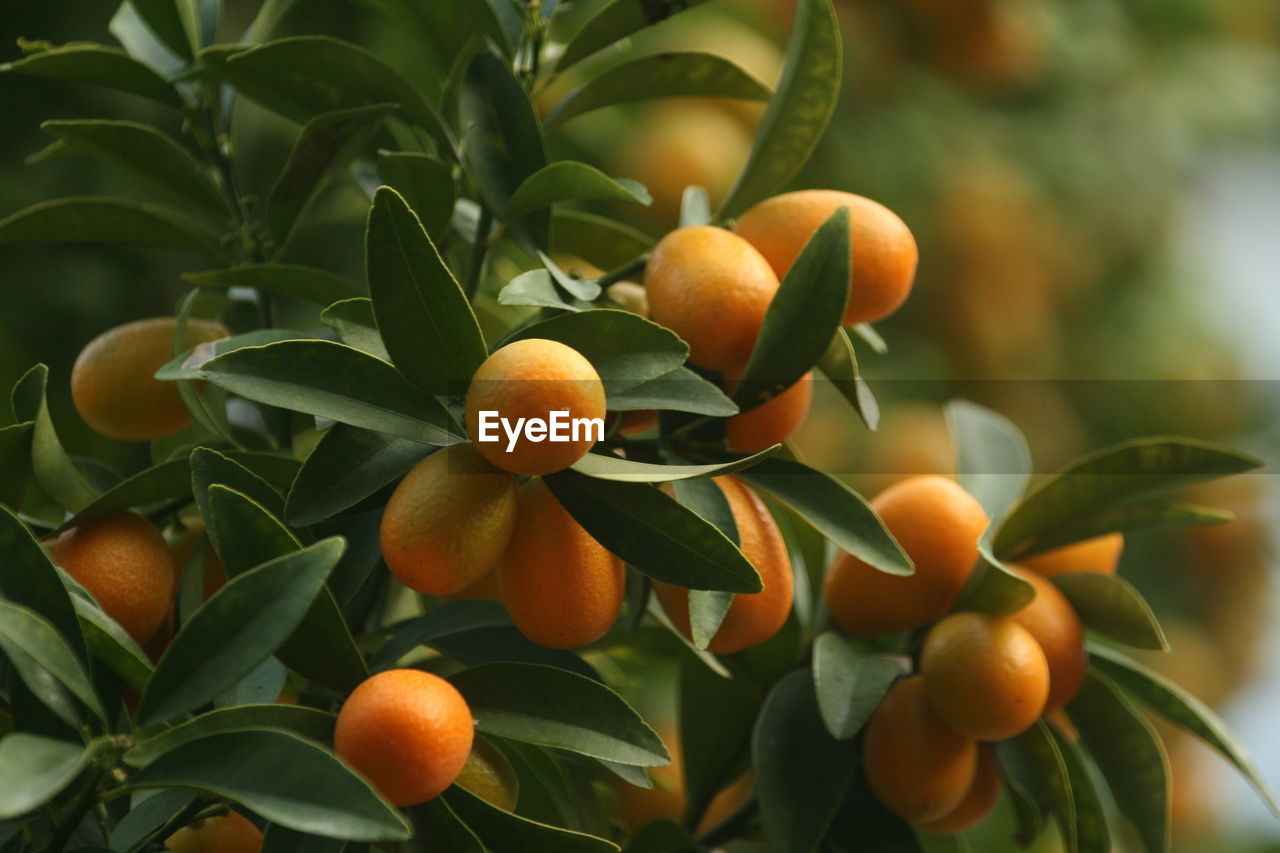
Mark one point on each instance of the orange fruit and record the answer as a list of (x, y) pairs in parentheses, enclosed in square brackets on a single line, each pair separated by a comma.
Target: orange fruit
[(1100, 554), (985, 676), (113, 381), (752, 618), (408, 732), (711, 288), (1053, 622), (771, 422), (232, 833), (448, 521), (938, 524), (486, 587), (123, 561), (918, 767), (532, 379), (978, 804), (561, 587), (884, 253), (489, 775)]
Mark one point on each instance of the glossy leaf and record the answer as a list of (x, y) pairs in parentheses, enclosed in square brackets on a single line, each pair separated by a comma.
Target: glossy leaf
[(1140, 516), (34, 770), (186, 366), (680, 390), (36, 651), (425, 182), (850, 683), (707, 607), (309, 284), (993, 462), (1111, 606), (607, 467), (30, 579), (992, 588), (615, 22), (347, 466), (98, 65), (307, 722), (569, 180), (209, 467), (502, 831), (353, 320), (114, 221), (839, 363), (597, 239)]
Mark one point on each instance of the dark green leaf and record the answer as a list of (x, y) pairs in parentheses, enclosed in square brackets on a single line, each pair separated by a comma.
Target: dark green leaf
[(309, 284), (992, 588), (850, 682), (599, 240), (15, 462), (799, 110), (30, 579), (53, 468), (452, 618), (110, 220), (993, 462), (162, 482), (707, 607), (280, 839), (607, 467), (307, 722), (435, 820), (504, 832), (716, 719), (353, 320), (662, 836), (1091, 833), (263, 684), (347, 466), (34, 770), (148, 817), (187, 365), (1140, 516), (112, 644), (1111, 606), (165, 21), (1048, 777), (209, 467), (569, 180), (839, 363), (99, 65), (426, 183), (615, 22), (37, 652), (680, 390), (427, 324)]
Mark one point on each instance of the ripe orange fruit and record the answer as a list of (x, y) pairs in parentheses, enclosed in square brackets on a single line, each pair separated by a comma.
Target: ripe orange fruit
[(408, 732), (978, 804), (938, 524), (489, 775), (1100, 554), (985, 676), (448, 521), (770, 422), (884, 253), (711, 288), (1053, 622), (123, 561), (752, 618), (113, 381), (918, 767), (532, 378), (232, 833), (561, 587)]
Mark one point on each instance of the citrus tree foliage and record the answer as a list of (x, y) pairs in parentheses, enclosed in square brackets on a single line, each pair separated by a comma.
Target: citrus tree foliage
[(300, 433)]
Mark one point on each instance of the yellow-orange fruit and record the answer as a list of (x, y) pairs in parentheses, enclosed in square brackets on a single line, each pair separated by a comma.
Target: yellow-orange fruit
[(938, 524), (561, 587), (489, 775), (448, 521), (1100, 554), (772, 422), (408, 732), (123, 561), (985, 676), (978, 804), (232, 833), (532, 379), (1053, 622), (710, 287), (113, 382), (884, 253), (918, 767), (752, 618)]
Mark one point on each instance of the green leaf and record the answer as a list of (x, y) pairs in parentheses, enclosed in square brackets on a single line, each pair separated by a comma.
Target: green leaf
[(1141, 516), (263, 684), (240, 626), (585, 289), (606, 467), (112, 644), (435, 820), (1111, 606), (654, 533), (353, 320), (307, 722), (799, 110), (186, 366), (1091, 833), (624, 348), (34, 770), (15, 462), (1128, 752), (707, 607), (505, 832), (834, 510), (839, 363), (98, 65), (280, 839), (165, 21), (162, 482), (426, 322), (569, 180), (716, 716), (615, 22), (536, 289), (308, 284), (804, 315), (147, 818), (283, 778), (1182, 709), (551, 707), (660, 75), (802, 772), (326, 145), (209, 467), (425, 182), (53, 468), (596, 239), (992, 588), (333, 381), (113, 221), (145, 153), (36, 651), (850, 682), (680, 390), (30, 579), (1048, 777), (1126, 473), (993, 460), (347, 466)]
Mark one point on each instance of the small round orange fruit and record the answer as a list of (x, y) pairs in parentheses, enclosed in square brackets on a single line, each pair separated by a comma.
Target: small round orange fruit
[(408, 732), (1053, 622), (1100, 554), (938, 524), (113, 381), (771, 422), (123, 561), (883, 252), (448, 521), (918, 767), (711, 288), (539, 381), (232, 833), (978, 804), (985, 676), (752, 618), (561, 587)]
